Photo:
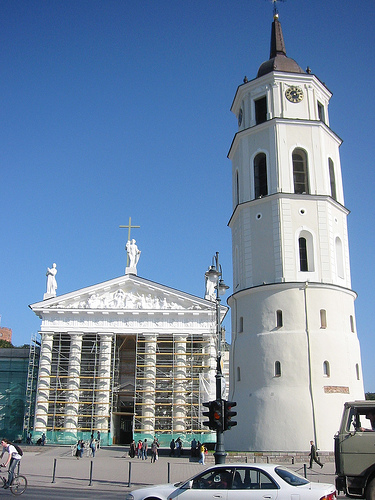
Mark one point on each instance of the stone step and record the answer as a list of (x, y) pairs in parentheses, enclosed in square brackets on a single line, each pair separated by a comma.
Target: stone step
[(272, 457)]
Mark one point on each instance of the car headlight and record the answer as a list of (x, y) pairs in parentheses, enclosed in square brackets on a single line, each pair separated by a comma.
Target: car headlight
[(129, 496)]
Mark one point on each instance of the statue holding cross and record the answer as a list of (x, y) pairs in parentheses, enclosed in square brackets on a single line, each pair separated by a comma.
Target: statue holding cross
[(133, 253)]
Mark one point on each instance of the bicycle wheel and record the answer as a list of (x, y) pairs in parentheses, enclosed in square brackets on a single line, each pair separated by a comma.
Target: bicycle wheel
[(19, 485)]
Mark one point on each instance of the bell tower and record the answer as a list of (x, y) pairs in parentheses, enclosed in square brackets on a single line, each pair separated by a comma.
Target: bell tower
[(295, 351)]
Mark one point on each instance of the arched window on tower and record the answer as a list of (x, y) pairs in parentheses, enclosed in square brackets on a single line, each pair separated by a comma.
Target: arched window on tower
[(260, 175), (306, 252), (303, 263), (277, 369), (332, 179), (236, 278), (300, 172), (260, 106), (326, 369), (339, 258), (237, 188), (323, 318), (357, 371), (321, 112), (240, 325), (279, 318)]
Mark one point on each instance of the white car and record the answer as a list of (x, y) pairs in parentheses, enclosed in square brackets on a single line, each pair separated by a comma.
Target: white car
[(237, 482)]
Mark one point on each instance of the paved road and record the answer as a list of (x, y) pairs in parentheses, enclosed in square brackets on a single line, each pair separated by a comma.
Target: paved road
[(110, 473)]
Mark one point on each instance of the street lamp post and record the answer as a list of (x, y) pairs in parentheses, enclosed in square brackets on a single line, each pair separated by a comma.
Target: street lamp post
[(215, 275)]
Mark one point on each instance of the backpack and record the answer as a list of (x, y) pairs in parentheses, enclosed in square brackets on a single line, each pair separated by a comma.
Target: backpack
[(18, 448)]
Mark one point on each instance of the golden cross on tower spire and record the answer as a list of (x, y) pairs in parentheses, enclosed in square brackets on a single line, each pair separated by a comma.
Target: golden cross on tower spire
[(129, 226), (275, 12)]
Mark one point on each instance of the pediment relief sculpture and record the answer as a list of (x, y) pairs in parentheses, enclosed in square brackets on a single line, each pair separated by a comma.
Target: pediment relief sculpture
[(124, 300)]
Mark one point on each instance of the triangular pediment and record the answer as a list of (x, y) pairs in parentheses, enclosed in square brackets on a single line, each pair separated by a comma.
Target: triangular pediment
[(126, 293)]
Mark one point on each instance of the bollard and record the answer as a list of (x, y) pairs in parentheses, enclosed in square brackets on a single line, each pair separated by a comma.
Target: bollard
[(304, 470), (91, 465), (54, 469), (130, 475), (169, 473)]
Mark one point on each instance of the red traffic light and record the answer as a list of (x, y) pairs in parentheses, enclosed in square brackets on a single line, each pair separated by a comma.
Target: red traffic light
[(228, 414)]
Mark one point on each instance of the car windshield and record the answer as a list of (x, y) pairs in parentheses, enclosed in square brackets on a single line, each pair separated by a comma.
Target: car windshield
[(291, 477)]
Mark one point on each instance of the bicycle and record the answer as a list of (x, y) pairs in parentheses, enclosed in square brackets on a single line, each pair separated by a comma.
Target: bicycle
[(19, 482)]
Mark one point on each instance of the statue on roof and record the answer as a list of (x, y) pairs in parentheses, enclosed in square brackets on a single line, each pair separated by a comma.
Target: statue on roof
[(133, 257), (51, 282)]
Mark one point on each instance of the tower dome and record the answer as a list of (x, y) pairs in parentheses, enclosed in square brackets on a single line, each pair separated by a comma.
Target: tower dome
[(278, 60)]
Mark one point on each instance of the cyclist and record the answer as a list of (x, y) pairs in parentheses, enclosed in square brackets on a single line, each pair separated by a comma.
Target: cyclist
[(13, 457)]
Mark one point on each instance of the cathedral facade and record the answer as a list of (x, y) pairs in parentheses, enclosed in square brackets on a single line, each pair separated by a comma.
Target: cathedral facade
[(130, 358)]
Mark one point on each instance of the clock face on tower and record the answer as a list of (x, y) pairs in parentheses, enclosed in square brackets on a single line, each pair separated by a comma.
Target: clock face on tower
[(294, 94)]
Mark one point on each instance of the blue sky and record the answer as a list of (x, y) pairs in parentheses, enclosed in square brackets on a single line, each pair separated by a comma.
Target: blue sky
[(116, 109)]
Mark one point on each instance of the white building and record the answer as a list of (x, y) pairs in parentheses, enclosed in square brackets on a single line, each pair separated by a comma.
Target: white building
[(128, 357), (295, 353)]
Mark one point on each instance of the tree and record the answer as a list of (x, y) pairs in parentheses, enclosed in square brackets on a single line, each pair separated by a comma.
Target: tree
[(370, 396), (5, 343)]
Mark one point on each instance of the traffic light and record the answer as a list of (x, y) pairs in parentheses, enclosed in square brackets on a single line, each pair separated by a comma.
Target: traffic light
[(217, 414), (208, 414), (214, 414), (228, 414)]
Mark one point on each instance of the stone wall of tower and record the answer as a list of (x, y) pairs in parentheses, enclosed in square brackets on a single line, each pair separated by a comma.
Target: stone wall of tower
[(265, 241), (283, 411)]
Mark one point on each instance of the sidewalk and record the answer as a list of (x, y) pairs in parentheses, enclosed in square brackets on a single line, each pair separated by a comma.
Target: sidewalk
[(110, 472)]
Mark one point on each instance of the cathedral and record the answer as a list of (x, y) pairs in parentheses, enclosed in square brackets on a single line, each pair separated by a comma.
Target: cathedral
[(129, 358), (295, 354)]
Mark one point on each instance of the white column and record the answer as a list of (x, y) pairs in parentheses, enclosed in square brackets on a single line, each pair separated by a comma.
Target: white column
[(148, 408), (73, 383), (103, 384), (44, 381), (180, 384)]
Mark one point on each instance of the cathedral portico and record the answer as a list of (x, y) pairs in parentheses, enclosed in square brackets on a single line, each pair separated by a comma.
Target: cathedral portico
[(128, 357)]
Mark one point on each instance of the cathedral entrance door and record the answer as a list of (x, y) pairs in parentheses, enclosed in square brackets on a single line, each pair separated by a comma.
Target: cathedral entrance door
[(126, 429)]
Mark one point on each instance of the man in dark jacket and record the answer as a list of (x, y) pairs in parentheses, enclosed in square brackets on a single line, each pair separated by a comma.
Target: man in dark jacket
[(314, 456)]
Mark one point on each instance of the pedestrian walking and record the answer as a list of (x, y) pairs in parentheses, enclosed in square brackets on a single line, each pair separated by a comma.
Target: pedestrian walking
[(92, 445), (139, 449), (314, 455), (132, 449), (172, 446), (82, 448), (78, 449), (202, 451), (154, 450), (193, 449), (178, 447), (144, 449)]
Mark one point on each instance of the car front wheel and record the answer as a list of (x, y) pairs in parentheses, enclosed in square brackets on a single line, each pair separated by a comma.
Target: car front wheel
[(370, 490)]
